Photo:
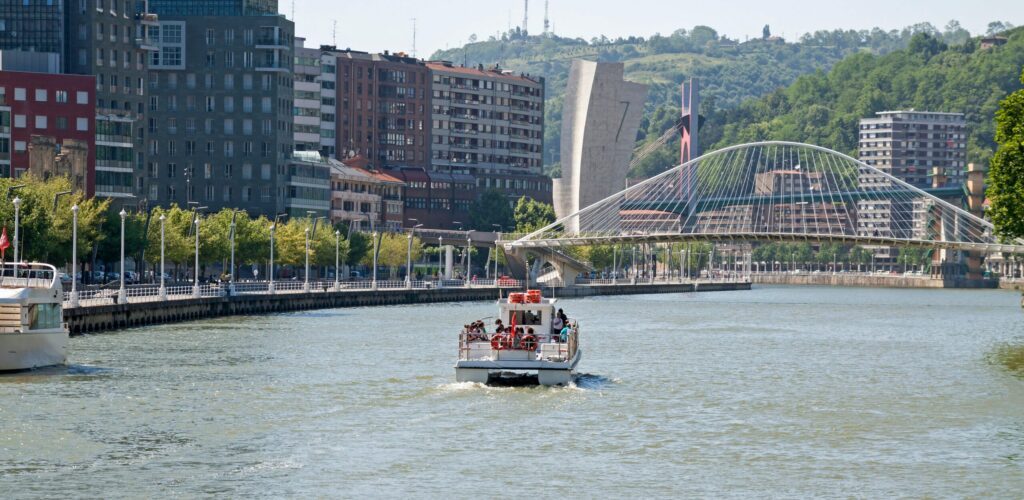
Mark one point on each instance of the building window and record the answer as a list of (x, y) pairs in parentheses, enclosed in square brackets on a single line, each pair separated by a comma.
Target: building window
[(19, 94), (82, 124)]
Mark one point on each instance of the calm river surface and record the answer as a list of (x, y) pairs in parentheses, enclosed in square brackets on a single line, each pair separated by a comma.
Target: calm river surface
[(786, 392)]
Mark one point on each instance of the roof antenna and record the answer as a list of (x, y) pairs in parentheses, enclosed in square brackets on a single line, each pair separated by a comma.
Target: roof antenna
[(414, 38), (334, 34), (293, 11)]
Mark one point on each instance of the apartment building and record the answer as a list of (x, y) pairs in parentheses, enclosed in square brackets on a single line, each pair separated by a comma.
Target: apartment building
[(924, 149), (308, 94), (110, 40), (33, 26), (382, 109), (365, 199), (220, 129), (489, 123)]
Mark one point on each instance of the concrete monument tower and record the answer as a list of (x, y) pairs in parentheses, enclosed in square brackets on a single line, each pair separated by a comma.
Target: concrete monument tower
[(600, 119)]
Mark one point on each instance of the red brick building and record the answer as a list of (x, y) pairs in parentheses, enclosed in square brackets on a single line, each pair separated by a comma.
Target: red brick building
[(383, 109), (57, 106)]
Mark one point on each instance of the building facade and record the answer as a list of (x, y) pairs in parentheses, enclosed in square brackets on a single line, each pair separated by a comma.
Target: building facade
[(32, 25), (220, 125), (110, 40), (922, 148), (382, 109), (59, 108), (364, 199), (489, 123), (307, 119)]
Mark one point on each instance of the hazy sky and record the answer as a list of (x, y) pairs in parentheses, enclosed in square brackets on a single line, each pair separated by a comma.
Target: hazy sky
[(387, 24)]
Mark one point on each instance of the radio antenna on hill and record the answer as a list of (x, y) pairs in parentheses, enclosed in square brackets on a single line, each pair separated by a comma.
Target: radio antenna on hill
[(547, 22), (334, 33), (526, 15)]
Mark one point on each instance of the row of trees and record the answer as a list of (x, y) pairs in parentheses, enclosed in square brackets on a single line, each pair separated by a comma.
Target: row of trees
[(45, 231)]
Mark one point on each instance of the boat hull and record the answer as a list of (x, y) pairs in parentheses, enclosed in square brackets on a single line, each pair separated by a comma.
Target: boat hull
[(548, 373), (25, 351)]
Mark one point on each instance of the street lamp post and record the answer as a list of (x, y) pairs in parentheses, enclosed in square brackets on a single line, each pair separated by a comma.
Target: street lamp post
[(615, 271), (195, 275), (270, 285), (440, 256), (163, 288), (305, 285), (231, 276), (408, 256), (122, 294), (337, 259), (74, 255), (373, 284), (469, 257), (17, 223)]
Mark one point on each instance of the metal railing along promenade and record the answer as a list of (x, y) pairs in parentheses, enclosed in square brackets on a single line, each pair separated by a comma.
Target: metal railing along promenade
[(152, 293)]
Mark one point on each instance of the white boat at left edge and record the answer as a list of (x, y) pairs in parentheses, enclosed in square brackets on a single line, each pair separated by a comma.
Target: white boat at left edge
[(32, 329)]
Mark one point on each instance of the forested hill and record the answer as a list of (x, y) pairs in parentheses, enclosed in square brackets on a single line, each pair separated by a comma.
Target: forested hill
[(731, 71), (823, 108)]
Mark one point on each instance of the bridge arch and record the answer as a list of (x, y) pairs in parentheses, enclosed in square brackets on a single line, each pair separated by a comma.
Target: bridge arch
[(781, 191)]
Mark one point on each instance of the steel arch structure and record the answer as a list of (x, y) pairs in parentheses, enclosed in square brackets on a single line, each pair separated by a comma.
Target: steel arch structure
[(776, 191)]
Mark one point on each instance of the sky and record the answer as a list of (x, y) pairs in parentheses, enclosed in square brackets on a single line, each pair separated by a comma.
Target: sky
[(380, 25)]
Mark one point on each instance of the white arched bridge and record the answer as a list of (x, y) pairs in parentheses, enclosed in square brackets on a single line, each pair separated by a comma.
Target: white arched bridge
[(779, 191)]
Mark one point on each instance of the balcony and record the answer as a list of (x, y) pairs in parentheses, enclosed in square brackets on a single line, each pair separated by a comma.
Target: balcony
[(147, 19), (146, 44), (114, 166), (273, 67), (271, 44)]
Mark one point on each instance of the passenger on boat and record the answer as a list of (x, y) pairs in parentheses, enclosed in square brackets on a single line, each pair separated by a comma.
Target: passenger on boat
[(556, 323), (563, 336), (498, 326)]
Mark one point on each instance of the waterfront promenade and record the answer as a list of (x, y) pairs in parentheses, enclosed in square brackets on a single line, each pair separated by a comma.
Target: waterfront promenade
[(100, 310)]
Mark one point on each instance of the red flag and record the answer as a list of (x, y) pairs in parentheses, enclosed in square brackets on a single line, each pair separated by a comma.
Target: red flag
[(4, 243)]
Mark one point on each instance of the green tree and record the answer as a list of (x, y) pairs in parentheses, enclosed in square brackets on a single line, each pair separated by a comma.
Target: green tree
[(491, 208), (1006, 176), (531, 215)]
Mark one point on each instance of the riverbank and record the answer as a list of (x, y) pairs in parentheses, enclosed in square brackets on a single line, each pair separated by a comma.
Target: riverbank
[(99, 318), (870, 281)]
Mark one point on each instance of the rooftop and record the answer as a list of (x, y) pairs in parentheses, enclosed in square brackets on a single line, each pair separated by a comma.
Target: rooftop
[(480, 71)]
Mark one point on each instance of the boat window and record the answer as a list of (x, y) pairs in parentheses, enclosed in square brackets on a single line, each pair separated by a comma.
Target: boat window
[(527, 317), (44, 316)]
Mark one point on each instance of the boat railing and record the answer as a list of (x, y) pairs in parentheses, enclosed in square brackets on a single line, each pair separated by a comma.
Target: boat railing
[(28, 275), (565, 350)]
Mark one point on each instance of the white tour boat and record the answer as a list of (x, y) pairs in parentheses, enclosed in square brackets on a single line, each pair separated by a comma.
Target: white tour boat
[(532, 347), (32, 329)]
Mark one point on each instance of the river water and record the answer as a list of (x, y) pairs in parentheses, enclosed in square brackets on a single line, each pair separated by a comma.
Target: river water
[(786, 392)]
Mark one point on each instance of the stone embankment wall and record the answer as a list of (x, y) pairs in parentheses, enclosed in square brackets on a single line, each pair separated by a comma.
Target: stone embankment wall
[(101, 318), (877, 281)]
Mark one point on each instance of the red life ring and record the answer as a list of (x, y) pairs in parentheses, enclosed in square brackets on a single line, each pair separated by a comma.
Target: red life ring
[(501, 342), (528, 342)]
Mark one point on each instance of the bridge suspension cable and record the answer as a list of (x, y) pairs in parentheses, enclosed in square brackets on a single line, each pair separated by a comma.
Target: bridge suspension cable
[(780, 191)]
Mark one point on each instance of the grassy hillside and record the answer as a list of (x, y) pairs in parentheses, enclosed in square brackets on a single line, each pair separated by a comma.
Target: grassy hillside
[(823, 108), (731, 71)]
